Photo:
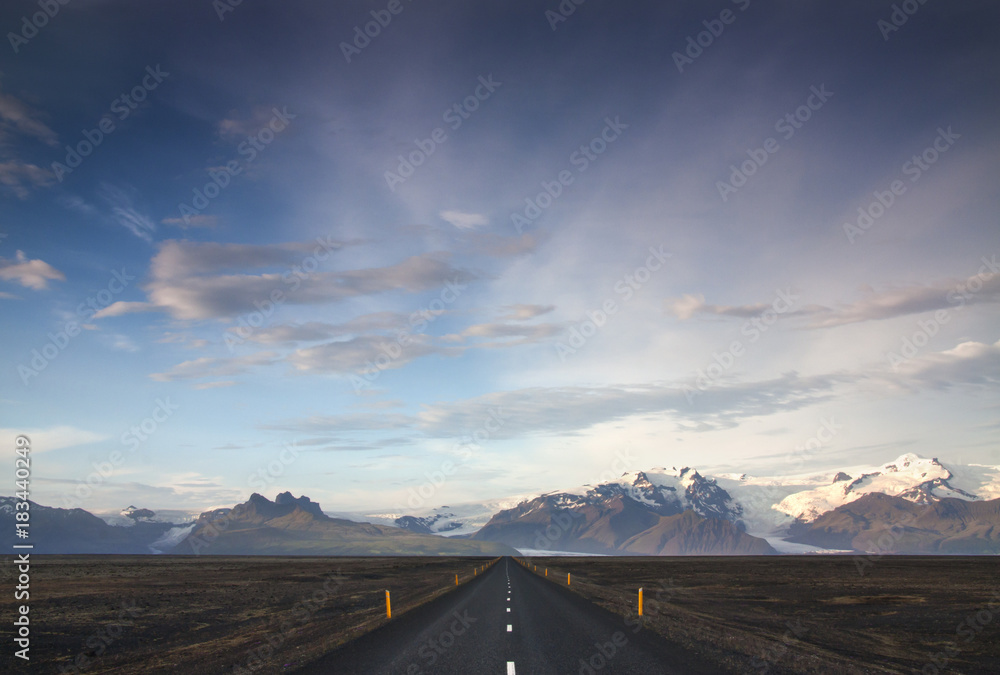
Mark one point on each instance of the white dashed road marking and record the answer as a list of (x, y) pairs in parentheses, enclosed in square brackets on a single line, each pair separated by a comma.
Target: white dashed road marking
[(510, 629)]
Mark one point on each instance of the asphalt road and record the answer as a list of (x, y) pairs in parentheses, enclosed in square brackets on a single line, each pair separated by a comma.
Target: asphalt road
[(508, 621)]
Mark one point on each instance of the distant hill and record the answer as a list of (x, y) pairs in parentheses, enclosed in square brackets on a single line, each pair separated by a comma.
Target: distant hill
[(297, 526), (691, 534), (893, 524)]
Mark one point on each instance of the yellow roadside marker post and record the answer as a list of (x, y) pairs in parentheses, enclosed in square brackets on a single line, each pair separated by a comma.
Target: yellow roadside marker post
[(546, 571), (640, 601), (388, 606), (567, 578), (456, 579)]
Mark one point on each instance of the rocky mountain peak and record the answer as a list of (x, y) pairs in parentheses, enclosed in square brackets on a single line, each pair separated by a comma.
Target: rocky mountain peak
[(137, 514), (260, 507)]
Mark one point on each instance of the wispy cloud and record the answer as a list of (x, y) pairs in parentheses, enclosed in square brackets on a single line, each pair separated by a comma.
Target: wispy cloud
[(125, 213), (215, 385), (78, 204), (316, 331), (497, 246), (895, 302), (188, 280), (969, 363), (199, 220), (34, 274), (235, 127), (464, 221), (208, 367), (518, 333), (892, 302), (568, 411), (345, 422), (689, 305), (52, 438), (525, 312), (18, 176), (124, 307), (123, 343), (355, 354), (16, 118)]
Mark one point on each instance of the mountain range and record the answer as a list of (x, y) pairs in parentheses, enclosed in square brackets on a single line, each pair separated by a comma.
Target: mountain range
[(297, 526), (286, 526), (55, 530), (910, 505), (639, 512)]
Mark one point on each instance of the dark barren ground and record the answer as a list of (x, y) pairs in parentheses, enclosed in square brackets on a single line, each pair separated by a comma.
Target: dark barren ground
[(199, 615), (903, 615), (743, 615)]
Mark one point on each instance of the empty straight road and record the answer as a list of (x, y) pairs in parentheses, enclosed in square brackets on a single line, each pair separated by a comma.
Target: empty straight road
[(508, 620)]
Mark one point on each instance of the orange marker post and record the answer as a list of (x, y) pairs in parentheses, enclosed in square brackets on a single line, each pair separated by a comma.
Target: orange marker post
[(640, 601), (388, 606)]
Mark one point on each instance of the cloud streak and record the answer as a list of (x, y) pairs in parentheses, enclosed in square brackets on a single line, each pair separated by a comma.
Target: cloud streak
[(209, 367), (980, 288), (896, 302), (16, 118), (188, 280), (464, 221), (125, 213)]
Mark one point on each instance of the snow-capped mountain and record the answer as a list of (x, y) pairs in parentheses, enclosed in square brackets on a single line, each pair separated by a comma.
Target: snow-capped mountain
[(880, 523), (439, 523), (132, 514), (659, 512), (914, 478), (762, 506), (681, 490), (666, 491), (771, 504)]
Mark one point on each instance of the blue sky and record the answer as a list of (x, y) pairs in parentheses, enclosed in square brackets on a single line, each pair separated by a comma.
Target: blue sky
[(615, 240)]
